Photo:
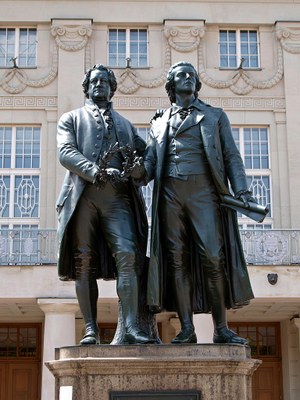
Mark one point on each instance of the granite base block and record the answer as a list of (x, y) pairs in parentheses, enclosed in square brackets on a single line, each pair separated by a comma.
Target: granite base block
[(217, 372)]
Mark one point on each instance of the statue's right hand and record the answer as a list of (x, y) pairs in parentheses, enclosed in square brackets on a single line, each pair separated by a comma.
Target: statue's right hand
[(159, 113)]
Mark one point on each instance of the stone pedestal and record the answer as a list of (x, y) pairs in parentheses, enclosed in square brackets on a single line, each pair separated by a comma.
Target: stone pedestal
[(218, 372)]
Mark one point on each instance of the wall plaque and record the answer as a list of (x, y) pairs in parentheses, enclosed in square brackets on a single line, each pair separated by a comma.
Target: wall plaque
[(156, 395)]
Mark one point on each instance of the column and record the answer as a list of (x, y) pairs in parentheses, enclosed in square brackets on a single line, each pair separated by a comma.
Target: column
[(59, 331), (72, 39), (296, 322), (288, 35), (184, 37), (282, 210)]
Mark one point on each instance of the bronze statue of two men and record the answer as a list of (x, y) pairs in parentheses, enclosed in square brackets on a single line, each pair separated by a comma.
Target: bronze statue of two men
[(196, 259)]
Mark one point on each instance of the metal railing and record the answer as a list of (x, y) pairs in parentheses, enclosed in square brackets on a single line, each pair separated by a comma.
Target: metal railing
[(27, 246), (38, 246), (272, 246)]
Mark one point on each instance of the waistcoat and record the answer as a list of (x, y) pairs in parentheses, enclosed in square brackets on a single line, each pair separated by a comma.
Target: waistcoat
[(185, 153)]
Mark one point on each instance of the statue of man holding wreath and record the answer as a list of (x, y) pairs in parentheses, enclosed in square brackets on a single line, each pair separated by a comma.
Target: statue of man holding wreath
[(102, 231)]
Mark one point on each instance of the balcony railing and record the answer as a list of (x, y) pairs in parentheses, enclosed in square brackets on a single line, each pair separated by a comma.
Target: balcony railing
[(271, 247), (27, 246), (38, 246)]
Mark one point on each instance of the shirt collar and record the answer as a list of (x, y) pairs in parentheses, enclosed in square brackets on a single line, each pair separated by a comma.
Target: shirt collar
[(92, 104), (175, 108)]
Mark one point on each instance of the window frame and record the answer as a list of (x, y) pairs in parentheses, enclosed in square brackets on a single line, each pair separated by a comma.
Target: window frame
[(252, 172), (12, 172), (17, 31), (18, 327), (127, 45), (238, 52)]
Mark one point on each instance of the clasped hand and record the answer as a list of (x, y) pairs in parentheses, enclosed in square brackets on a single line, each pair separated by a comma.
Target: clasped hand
[(105, 175), (137, 171)]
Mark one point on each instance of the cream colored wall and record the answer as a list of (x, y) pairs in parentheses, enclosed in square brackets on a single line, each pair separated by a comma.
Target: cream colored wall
[(178, 30), (64, 53)]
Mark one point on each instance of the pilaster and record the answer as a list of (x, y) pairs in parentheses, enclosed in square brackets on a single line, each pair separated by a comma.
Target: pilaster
[(72, 38), (59, 330), (288, 33), (281, 188)]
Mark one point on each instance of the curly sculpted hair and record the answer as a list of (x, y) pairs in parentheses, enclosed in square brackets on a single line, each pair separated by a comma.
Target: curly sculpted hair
[(169, 86), (111, 78)]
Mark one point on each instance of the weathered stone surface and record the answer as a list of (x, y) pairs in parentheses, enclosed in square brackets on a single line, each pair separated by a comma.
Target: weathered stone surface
[(217, 371)]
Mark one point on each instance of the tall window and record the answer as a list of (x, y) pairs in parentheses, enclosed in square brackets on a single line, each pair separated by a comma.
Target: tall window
[(239, 48), (19, 174), (254, 148), (128, 47), (17, 47), (19, 193)]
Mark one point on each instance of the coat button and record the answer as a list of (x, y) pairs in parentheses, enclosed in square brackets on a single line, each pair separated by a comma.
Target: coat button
[(98, 137), (96, 145), (94, 154)]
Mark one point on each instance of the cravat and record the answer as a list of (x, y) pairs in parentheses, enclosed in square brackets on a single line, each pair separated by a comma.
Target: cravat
[(184, 112), (108, 119)]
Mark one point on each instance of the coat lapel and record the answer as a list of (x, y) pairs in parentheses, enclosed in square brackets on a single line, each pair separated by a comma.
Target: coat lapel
[(191, 120), (122, 138)]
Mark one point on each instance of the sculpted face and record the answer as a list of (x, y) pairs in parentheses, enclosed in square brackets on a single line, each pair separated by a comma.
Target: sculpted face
[(99, 87), (184, 80)]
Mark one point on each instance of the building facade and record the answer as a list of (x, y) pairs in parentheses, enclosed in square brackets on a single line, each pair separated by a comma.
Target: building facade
[(248, 58)]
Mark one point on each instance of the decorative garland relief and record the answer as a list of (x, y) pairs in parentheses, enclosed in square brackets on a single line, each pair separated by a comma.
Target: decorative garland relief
[(183, 40)]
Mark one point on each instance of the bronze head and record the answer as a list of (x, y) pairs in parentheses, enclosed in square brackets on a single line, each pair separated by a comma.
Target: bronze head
[(169, 86), (111, 77)]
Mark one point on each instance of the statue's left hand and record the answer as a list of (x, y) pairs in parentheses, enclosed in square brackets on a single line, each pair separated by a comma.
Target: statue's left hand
[(245, 196), (137, 171)]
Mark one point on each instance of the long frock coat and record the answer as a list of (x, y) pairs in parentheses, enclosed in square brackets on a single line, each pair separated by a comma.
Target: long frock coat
[(79, 140), (225, 165)]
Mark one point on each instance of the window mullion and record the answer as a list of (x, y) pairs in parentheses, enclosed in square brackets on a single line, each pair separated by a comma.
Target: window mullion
[(12, 172), (11, 196), (238, 47), (242, 143), (128, 43), (258, 48), (13, 148), (17, 43)]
